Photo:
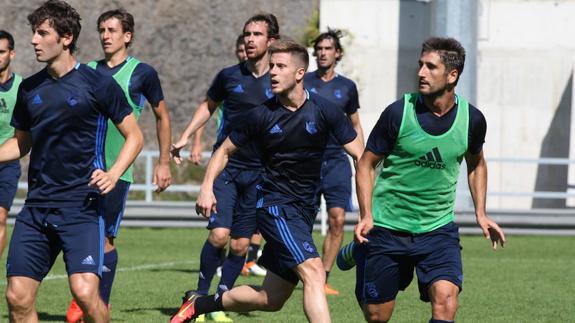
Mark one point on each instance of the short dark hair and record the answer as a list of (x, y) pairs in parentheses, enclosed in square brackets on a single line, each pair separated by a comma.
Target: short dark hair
[(240, 41), (125, 18), (6, 35), (271, 21), (333, 34), (450, 51), (61, 16), (291, 47)]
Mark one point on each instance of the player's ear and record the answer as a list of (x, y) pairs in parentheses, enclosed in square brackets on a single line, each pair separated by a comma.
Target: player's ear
[(299, 73)]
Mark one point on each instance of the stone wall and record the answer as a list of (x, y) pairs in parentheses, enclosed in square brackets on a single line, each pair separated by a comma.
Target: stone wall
[(188, 42)]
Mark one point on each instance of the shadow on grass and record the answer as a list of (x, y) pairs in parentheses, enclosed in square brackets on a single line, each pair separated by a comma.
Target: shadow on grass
[(164, 310), (47, 317)]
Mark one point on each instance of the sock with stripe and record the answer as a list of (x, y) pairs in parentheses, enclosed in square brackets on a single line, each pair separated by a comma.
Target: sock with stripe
[(108, 274), (208, 304), (230, 271), (209, 262), (440, 321)]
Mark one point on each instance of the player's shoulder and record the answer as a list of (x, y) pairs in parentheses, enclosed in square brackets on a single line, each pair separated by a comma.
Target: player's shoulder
[(144, 68), (345, 81), (34, 80), (310, 76), (234, 70), (318, 100)]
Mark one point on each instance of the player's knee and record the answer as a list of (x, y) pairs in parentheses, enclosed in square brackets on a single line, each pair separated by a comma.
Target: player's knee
[(240, 247), (19, 300), (312, 271), (218, 238), (84, 294), (377, 317), (444, 303)]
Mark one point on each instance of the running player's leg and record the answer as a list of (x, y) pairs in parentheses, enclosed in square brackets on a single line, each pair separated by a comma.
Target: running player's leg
[(220, 224), (32, 252), (440, 271), (81, 234), (9, 175), (113, 211), (243, 226), (380, 276), (336, 188)]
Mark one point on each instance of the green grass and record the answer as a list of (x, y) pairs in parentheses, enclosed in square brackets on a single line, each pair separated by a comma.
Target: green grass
[(532, 280)]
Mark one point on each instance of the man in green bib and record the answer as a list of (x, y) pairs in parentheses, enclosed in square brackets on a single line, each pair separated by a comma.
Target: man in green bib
[(140, 83), (407, 208), (9, 172)]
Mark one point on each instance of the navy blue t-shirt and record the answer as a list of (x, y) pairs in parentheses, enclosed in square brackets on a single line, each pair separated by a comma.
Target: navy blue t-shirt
[(67, 120), (341, 92), (144, 83), (384, 135), (292, 145), (240, 92)]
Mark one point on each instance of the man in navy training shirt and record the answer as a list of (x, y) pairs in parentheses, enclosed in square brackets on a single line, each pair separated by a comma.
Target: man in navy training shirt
[(291, 131), (140, 82), (241, 88), (336, 172), (61, 116)]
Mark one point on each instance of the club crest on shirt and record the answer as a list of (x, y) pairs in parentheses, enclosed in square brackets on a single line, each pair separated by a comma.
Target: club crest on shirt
[(72, 101), (337, 93), (310, 127)]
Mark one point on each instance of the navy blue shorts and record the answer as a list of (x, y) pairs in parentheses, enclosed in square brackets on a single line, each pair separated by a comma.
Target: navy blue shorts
[(40, 233), (336, 183), (112, 208), (385, 264), (236, 192), (288, 239), (9, 175)]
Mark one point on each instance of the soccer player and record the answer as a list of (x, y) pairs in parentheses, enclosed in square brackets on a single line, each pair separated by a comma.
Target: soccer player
[(250, 266), (407, 216), (61, 115), (139, 82), (336, 173), (291, 131), (240, 88), (9, 172)]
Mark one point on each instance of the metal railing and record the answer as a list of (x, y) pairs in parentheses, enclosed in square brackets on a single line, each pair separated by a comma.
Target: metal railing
[(148, 188)]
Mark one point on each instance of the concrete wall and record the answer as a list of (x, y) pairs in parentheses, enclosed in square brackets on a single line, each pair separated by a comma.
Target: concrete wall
[(524, 78)]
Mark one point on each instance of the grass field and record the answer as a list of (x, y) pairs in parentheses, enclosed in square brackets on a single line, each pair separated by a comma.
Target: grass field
[(531, 280)]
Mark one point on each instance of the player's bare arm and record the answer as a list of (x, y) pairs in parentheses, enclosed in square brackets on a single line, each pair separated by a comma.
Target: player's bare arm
[(477, 178), (203, 113), (196, 149), (206, 200), (106, 181), (354, 118), (364, 181), (162, 175), (16, 147)]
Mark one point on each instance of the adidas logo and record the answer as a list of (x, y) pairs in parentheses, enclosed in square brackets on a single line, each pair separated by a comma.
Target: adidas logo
[(431, 160), (313, 90), (276, 129), (88, 261), (37, 100), (239, 89)]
